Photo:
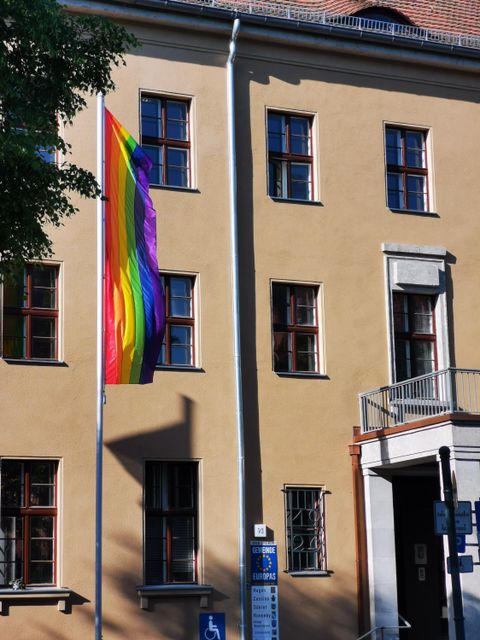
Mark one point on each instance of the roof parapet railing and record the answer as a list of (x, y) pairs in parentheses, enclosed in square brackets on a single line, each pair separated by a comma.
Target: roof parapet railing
[(405, 625), (292, 11)]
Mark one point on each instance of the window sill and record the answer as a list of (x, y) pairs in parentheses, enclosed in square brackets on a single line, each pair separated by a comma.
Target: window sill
[(315, 203), (415, 212), (36, 363), (35, 593), (169, 187), (203, 591), (172, 367), (301, 374), (309, 574)]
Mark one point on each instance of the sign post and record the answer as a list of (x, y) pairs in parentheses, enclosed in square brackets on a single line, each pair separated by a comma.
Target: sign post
[(444, 453)]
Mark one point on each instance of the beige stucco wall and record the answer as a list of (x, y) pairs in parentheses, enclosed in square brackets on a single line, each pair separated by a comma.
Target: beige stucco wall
[(297, 429)]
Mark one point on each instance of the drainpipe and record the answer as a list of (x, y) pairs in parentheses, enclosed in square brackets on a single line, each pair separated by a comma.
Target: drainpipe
[(232, 171)]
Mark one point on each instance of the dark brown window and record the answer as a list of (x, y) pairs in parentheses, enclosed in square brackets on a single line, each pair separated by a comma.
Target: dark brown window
[(28, 522), (295, 328), (290, 157), (170, 522), (305, 523), (165, 135), (415, 336), (30, 314), (407, 172), (178, 343)]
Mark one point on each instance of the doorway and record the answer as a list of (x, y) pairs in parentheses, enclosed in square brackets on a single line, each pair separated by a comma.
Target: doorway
[(419, 554)]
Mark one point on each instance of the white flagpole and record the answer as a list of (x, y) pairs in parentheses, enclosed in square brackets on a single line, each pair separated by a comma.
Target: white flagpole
[(100, 371)]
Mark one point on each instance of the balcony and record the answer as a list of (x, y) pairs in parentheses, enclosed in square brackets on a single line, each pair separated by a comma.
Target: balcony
[(450, 391)]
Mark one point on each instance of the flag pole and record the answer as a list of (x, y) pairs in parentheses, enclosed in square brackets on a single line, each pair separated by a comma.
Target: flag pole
[(100, 370)]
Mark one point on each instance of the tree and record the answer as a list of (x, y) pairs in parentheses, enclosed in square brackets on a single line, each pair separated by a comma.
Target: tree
[(50, 61)]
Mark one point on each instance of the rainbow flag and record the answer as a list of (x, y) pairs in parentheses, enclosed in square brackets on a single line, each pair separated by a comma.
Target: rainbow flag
[(134, 301)]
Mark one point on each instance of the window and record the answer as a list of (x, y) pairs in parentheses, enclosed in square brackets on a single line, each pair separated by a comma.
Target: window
[(165, 136), (407, 174), (177, 348), (290, 156), (30, 314), (415, 338), (295, 328), (28, 521), (170, 522), (305, 529)]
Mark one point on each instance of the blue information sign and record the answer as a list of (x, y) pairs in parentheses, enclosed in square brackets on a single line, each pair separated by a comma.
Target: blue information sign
[(460, 537), (263, 563), (211, 626)]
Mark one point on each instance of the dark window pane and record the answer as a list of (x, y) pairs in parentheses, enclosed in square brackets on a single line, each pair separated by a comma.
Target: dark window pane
[(177, 128), (181, 355), (402, 360), (181, 308), (281, 304), (416, 186), (177, 167), (300, 136), (41, 573), (41, 549), (276, 133), (12, 483), (14, 336), (305, 352), (394, 147), (282, 351), (42, 484), (305, 305), (277, 179), (15, 291), (395, 191), (415, 149), (41, 526), (181, 287), (151, 118), (180, 335), (300, 181)]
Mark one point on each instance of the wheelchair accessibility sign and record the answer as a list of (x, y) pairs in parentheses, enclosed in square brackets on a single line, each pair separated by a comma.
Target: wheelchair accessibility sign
[(212, 626)]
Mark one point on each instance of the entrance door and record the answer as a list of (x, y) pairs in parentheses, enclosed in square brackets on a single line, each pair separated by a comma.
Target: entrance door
[(419, 555)]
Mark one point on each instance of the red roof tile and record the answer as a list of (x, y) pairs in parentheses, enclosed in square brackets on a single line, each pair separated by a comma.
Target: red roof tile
[(456, 16)]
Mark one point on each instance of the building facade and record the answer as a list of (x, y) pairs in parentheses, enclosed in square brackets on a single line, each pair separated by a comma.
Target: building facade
[(357, 161)]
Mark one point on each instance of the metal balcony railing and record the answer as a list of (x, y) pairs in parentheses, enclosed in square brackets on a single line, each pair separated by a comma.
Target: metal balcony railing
[(296, 12), (434, 394)]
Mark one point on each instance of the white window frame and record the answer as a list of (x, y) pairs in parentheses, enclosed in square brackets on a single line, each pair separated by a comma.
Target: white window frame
[(315, 174), (60, 323), (427, 130), (322, 570), (196, 364), (320, 311), (425, 273)]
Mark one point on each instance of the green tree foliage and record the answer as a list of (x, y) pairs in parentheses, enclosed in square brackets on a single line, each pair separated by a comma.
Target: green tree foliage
[(50, 61)]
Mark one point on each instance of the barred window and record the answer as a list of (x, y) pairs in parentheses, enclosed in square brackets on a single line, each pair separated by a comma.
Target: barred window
[(305, 529)]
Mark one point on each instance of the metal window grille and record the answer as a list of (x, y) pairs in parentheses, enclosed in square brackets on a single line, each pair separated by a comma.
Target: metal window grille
[(305, 524)]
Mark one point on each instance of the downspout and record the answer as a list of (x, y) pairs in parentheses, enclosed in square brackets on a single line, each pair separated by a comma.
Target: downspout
[(360, 539), (237, 359)]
